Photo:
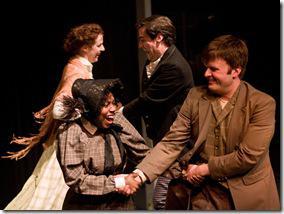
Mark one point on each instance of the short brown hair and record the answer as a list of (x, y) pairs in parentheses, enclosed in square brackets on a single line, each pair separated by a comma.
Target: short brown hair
[(159, 24), (229, 48)]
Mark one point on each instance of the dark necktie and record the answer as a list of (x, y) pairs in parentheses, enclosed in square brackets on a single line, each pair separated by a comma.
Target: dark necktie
[(109, 167), (109, 159)]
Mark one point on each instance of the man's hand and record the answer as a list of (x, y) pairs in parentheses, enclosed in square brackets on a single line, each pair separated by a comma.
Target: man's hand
[(132, 184), (195, 174)]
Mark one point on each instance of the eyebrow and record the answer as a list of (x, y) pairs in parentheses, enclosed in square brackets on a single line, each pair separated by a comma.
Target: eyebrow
[(213, 67)]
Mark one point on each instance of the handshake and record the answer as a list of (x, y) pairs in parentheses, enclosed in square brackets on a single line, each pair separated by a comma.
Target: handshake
[(132, 182)]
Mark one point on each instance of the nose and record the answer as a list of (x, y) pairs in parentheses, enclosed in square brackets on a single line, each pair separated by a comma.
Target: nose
[(103, 48), (207, 73), (112, 107)]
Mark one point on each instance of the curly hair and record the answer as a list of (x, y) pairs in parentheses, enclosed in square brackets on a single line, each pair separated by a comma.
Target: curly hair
[(79, 36)]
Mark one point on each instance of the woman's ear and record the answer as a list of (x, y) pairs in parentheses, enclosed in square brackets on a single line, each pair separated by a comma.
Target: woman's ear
[(84, 49)]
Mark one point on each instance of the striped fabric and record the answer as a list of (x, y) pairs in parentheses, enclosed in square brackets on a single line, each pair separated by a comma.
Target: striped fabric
[(160, 193)]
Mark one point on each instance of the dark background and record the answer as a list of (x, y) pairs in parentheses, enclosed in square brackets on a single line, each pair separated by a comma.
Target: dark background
[(32, 58)]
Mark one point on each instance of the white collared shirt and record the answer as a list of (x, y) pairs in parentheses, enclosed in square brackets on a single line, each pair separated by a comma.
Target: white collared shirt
[(86, 62), (151, 67)]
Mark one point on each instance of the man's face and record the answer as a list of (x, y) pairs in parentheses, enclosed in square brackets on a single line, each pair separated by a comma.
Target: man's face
[(220, 77), (148, 45)]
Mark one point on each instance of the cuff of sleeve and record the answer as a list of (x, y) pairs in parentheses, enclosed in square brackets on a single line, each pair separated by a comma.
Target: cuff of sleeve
[(214, 172), (58, 110), (119, 182), (141, 174)]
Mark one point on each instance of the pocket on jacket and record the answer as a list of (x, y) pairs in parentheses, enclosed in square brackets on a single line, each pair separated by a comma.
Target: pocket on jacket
[(256, 176)]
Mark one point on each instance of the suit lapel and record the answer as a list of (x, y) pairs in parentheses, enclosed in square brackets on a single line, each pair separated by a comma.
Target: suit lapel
[(166, 55), (144, 78), (238, 120), (204, 105), (205, 114)]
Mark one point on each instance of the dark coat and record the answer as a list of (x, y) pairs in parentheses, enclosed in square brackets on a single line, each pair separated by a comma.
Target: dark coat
[(163, 94)]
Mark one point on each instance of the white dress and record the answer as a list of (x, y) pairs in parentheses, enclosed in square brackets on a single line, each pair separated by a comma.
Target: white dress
[(45, 189)]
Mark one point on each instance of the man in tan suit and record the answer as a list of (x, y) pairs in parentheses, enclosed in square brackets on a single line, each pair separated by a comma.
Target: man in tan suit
[(232, 124)]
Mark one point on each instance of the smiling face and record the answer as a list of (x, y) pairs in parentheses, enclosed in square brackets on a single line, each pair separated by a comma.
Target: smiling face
[(148, 45), (92, 53), (106, 117), (222, 79)]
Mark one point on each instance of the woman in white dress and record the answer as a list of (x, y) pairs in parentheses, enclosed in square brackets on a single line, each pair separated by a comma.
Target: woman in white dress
[(46, 189)]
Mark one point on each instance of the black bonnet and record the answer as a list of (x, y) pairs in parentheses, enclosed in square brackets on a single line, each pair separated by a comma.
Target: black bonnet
[(91, 92)]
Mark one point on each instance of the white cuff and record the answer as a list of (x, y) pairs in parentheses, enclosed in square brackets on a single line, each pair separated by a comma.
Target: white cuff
[(119, 181), (58, 110), (141, 174)]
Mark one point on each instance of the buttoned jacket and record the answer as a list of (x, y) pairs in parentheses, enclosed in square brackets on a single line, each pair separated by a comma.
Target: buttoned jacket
[(246, 164)]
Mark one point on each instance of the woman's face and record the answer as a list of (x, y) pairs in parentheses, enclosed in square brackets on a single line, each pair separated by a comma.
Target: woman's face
[(92, 53), (106, 116)]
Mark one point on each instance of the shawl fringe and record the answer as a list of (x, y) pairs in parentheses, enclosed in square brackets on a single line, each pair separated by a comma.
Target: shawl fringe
[(46, 121)]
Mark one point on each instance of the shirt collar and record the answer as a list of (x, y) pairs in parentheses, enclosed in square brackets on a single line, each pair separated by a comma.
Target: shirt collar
[(151, 66), (89, 126), (86, 62)]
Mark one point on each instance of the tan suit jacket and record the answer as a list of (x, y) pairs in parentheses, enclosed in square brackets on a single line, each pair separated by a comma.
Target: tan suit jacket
[(246, 165)]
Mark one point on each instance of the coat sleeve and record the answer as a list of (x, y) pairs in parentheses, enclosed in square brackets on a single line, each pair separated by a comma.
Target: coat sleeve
[(169, 82), (168, 149)]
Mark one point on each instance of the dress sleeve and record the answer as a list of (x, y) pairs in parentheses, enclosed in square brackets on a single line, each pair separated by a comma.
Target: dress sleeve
[(133, 141), (69, 76)]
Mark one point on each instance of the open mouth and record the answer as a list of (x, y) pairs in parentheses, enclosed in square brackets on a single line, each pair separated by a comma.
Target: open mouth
[(211, 81), (110, 119)]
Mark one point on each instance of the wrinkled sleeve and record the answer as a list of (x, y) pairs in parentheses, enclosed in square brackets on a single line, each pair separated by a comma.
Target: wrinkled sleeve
[(162, 156), (68, 78), (133, 141), (252, 147)]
